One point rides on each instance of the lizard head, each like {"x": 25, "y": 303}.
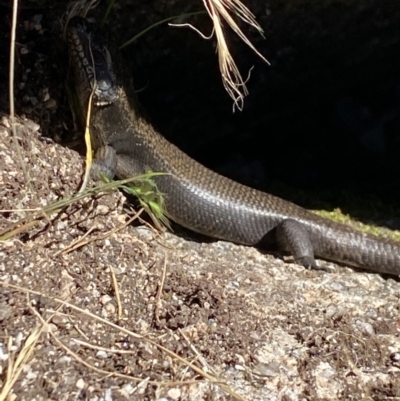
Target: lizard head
{"x": 91, "y": 62}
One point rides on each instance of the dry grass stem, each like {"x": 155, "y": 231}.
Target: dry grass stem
{"x": 11, "y": 96}
{"x": 159, "y": 292}
{"x": 219, "y": 10}
{"x": 88, "y": 142}
{"x": 206, "y": 365}
{"x": 116, "y": 291}
{"x": 17, "y": 364}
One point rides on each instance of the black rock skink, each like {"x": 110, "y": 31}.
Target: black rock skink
{"x": 196, "y": 197}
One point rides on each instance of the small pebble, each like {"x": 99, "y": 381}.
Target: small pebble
{"x": 80, "y": 384}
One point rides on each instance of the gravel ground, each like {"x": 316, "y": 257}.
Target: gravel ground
{"x": 112, "y": 311}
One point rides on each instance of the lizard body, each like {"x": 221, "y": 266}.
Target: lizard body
{"x": 196, "y": 197}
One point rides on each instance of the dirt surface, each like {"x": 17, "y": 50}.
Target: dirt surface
{"x": 267, "y": 328}
{"x": 192, "y": 312}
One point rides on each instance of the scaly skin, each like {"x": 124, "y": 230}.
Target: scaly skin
{"x": 198, "y": 198}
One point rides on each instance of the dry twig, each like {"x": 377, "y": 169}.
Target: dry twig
{"x": 219, "y": 11}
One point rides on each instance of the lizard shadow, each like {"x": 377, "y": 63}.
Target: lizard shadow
{"x": 268, "y": 246}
